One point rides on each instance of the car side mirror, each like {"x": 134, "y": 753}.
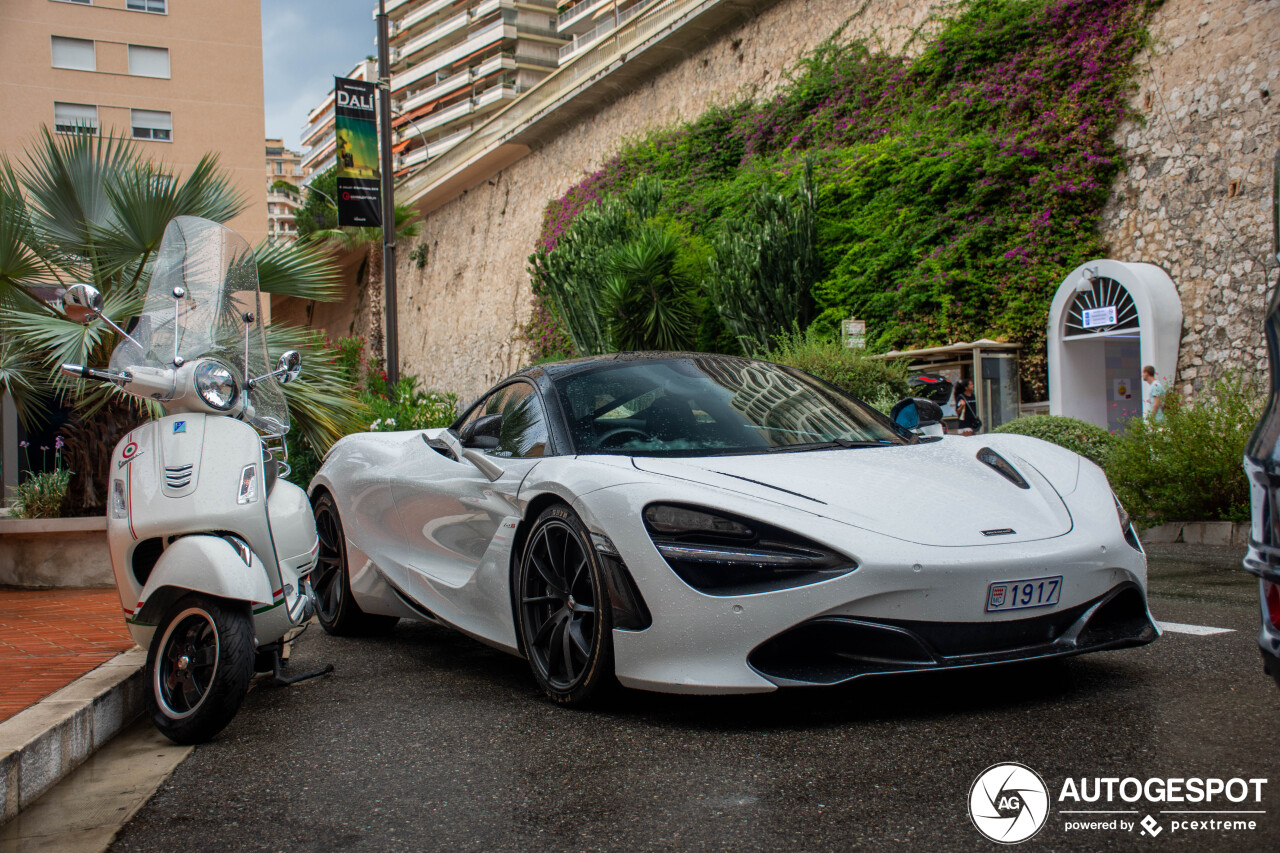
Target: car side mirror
{"x": 915, "y": 412}
{"x": 482, "y": 433}
{"x": 82, "y": 303}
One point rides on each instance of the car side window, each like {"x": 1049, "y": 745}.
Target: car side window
{"x": 524, "y": 426}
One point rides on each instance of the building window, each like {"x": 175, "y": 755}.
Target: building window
{"x": 147, "y": 6}
{"x": 148, "y": 61}
{"x": 279, "y": 168}
{"x": 81, "y": 2}
{"x": 151, "y": 124}
{"x": 77, "y": 54}
{"x": 75, "y": 118}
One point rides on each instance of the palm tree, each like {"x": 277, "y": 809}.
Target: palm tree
{"x": 646, "y": 296}
{"x": 348, "y": 238}
{"x": 81, "y": 207}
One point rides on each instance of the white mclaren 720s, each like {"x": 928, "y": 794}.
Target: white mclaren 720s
{"x": 696, "y": 523}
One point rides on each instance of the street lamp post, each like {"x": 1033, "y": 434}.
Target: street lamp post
{"x": 387, "y": 171}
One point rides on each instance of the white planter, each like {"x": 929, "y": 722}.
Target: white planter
{"x": 41, "y": 553}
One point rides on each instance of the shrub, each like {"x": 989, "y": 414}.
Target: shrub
{"x": 40, "y": 494}
{"x": 545, "y": 335}
{"x": 954, "y": 185}
{"x": 1188, "y": 468}
{"x": 1089, "y": 440}
{"x": 878, "y": 382}
{"x": 407, "y": 407}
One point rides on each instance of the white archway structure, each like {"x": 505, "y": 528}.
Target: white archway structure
{"x": 1107, "y": 320}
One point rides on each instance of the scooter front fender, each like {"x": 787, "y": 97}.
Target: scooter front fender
{"x": 201, "y": 564}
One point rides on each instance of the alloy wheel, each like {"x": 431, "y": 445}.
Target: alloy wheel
{"x": 326, "y": 578}
{"x": 187, "y": 663}
{"x": 559, "y": 598}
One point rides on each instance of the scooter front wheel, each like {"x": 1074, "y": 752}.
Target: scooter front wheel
{"x": 198, "y": 667}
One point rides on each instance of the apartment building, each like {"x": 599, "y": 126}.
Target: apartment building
{"x": 181, "y": 79}
{"x": 284, "y": 176}
{"x": 319, "y": 144}
{"x": 456, "y": 62}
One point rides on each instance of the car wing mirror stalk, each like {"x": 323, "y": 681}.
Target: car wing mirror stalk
{"x": 487, "y": 466}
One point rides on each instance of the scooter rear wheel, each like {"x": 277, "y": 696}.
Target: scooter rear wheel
{"x": 198, "y": 667}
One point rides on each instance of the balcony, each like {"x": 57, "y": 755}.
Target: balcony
{"x": 585, "y": 40}
{"x": 319, "y": 125}
{"x": 577, "y": 17}
{"x": 491, "y": 34}
{"x": 430, "y": 37}
{"x": 482, "y": 103}
{"x": 435, "y": 149}
{"x": 417, "y": 16}
{"x": 490, "y": 66}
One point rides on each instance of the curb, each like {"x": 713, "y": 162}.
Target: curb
{"x": 1197, "y": 533}
{"x": 47, "y": 741}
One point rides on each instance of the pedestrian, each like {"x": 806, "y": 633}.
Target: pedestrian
{"x": 1155, "y": 394}
{"x": 967, "y": 408}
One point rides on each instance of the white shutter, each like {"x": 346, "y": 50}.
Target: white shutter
{"x": 148, "y": 61}
{"x": 77, "y": 54}
{"x": 151, "y": 124}
{"x": 75, "y": 118}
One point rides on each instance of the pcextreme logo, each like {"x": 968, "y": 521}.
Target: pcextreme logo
{"x": 1010, "y": 803}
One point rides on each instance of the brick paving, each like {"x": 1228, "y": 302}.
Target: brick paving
{"x": 51, "y": 637}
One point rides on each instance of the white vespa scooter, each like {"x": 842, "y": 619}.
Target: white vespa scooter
{"x": 210, "y": 547}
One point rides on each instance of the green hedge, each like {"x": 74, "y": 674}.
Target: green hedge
{"x": 953, "y": 186}
{"x": 1089, "y": 440}
{"x": 880, "y": 383}
{"x": 1189, "y": 467}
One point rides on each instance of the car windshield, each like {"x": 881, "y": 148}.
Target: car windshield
{"x": 710, "y": 406}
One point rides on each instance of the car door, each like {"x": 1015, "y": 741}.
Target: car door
{"x": 459, "y": 523}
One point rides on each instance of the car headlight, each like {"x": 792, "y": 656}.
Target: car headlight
{"x": 216, "y": 385}
{"x": 720, "y": 554}
{"x": 1126, "y": 524}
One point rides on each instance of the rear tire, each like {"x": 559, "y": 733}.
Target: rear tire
{"x": 565, "y": 618}
{"x": 198, "y": 667}
{"x": 336, "y": 606}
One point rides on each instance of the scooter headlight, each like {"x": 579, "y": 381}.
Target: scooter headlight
{"x": 216, "y": 385}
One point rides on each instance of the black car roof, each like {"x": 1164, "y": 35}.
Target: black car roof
{"x": 555, "y": 369}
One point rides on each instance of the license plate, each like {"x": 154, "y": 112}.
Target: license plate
{"x": 1024, "y": 595}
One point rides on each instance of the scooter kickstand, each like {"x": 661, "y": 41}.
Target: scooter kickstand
{"x": 281, "y": 678}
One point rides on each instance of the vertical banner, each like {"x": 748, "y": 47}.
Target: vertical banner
{"x": 356, "y": 131}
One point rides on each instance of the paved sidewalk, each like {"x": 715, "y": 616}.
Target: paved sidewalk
{"x": 51, "y": 637}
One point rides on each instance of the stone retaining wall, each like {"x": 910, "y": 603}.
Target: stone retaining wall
{"x": 1194, "y": 198}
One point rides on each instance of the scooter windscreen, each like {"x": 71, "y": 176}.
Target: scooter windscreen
{"x": 203, "y": 302}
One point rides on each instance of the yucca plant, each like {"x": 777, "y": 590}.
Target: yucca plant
{"x": 82, "y": 207}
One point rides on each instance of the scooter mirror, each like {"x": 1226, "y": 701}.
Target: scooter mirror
{"x": 289, "y": 367}
{"x": 82, "y": 303}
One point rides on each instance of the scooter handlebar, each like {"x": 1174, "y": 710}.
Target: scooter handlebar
{"x": 81, "y": 372}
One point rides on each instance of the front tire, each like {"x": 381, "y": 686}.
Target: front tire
{"x": 336, "y": 606}
{"x": 198, "y": 667}
{"x": 565, "y": 620}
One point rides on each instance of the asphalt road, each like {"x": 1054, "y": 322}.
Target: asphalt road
{"x": 425, "y": 740}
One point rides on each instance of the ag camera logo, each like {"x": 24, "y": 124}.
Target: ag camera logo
{"x": 1008, "y": 803}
